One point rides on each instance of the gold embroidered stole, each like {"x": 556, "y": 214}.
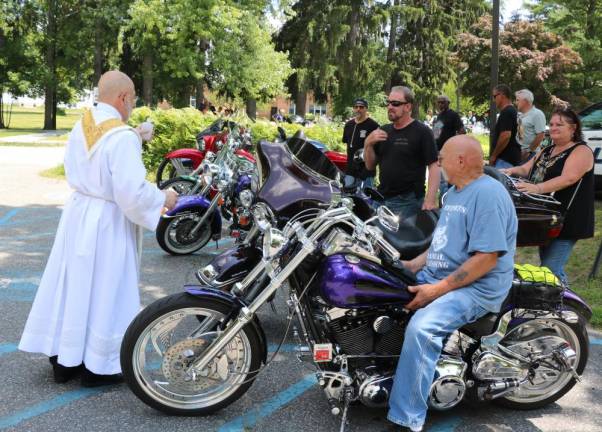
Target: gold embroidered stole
{"x": 93, "y": 132}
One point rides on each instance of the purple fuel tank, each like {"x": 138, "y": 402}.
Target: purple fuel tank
{"x": 351, "y": 282}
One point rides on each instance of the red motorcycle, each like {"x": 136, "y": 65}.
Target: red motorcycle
{"x": 183, "y": 162}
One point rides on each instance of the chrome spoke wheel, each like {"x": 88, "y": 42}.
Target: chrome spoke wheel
{"x": 178, "y": 234}
{"x": 165, "y": 350}
{"x": 548, "y": 379}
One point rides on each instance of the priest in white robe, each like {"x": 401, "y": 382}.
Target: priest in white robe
{"x": 88, "y": 294}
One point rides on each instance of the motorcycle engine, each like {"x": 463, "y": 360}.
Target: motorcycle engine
{"x": 364, "y": 332}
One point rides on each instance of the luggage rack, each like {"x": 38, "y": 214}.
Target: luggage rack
{"x": 541, "y": 198}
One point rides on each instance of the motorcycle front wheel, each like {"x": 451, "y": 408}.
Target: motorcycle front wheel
{"x": 182, "y": 186}
{"x": 548, "y": 385}
{"x": 165, "y": 338}
{"x": 174, "y": 237}
{"x": 167, "y": 170}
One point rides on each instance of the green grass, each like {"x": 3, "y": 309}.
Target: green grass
{"x": 58, "y": 172}
{"x": 31, "y": 120}
{"x": 484, "y": 141}
{"x": 578, "y": 268}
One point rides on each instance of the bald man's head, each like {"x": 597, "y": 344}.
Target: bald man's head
{"x": 117, "y": 89}
{"x": 461, "y": 159}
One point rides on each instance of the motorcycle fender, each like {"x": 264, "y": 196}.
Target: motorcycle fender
{"x": 228, "y": 299}
{"x": 579, "y": 305}
{"x": 196, "y": 156}
{"x": 196, "y": 203}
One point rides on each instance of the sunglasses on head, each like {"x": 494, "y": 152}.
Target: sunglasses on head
{"x": 395, "y": 103}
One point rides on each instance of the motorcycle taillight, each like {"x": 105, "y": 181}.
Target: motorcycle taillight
{"x": 554, "y": 232}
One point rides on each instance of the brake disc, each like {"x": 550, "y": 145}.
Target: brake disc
{"x": 177, "y": 360}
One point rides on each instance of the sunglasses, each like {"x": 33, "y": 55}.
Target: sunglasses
{"x": 395, "y": 103}
{"x": 496, "y": 95}
{"x": 358, "y": 106}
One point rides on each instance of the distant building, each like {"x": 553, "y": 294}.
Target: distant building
{"x": 84, "y": 100}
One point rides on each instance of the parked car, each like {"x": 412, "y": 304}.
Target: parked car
{"x": 591, "y": 119}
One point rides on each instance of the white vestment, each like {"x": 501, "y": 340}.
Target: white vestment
{"x": 88, "y": 294}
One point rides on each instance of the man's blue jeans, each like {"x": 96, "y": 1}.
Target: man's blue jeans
{"x": 501, "y": 164}
{"x": 555, "y": 255}
{"x": 422, "y": 346}
{"x": 351, "y": 181}
{"x": 405, "y": 205}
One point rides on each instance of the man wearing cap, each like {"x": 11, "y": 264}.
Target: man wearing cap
{"x": 354, "y": 134}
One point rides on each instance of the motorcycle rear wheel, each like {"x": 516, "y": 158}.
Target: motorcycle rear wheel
{"x": 172, "y": 234}
{"x": 538, "y": 394}
{"x": 157, "y": 349}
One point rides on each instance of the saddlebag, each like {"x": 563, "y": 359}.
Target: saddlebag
{"x": 536, "y": 288}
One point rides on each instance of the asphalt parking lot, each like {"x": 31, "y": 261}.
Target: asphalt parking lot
{"x": 285, "y": 396}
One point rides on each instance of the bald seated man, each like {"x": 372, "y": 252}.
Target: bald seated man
{"x": 466, "y": 272}
{"x": 88, "y": 293}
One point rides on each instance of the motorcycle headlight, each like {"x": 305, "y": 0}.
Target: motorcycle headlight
{"x": 246, "y": 198}
{"x": 210, "y": 156}
{"x": 273, "y": 242}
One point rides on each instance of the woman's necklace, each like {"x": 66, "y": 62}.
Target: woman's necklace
{"x": 559, "y": 149}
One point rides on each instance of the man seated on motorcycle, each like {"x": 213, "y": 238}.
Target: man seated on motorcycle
{"x": 466, "y": 272}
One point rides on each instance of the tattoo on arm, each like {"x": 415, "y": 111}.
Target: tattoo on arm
{"x": 459, "y": 276}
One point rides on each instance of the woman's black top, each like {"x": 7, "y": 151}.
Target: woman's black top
{"x": 579, "y": 218}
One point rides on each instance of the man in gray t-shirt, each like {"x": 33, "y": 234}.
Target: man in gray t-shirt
{"x": 531, "y": 124}
{"x": 466, "y": 272}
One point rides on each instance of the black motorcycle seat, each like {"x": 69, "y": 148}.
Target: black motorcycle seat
{"x": 414, "y": 234}
{"x": 482, "y": 327}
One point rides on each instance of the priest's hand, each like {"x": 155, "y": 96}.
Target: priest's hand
{"x": 146, "y": 129}
{"x": 171, "y": 198}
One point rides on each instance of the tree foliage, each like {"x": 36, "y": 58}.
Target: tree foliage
{"x": 579, "y": 23}
{"x": 530, "y": 57}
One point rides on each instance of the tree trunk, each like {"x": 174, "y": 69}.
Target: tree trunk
{"x": 252, "y": 108}
{"x": 50, "y": 84}
{"x": 301, "y": 103}
{"x": 199, "y": 97}
{"x": 147, "y": 77}
{"x": 2, "y": 126}
{"x": 98, "y": 52}
{"x": 391, "y": 47}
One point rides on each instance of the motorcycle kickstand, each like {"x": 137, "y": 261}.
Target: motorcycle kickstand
{"x": 347, "y": 401}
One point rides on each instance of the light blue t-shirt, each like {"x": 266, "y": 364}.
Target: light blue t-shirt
{"x": 479, "y": 218}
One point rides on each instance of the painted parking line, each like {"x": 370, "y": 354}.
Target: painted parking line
{"x": 593, "y": 341}
{"x": 7, "y": 348}
{"x": 47, "y": 406}
{"x": 272, "y": 405}
{"x": 9, "y": 215}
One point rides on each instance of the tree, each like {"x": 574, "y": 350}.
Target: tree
{"x": 530, "y": 57}
{"x": 579, "y": 23}
{"x": 16, "y": 51}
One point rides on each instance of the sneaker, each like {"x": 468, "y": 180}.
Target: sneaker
{"x": 90, "y": 379}
{"x": 62, "y": 374}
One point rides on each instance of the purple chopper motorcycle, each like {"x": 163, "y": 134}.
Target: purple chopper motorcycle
{"x": 196, "y": 352}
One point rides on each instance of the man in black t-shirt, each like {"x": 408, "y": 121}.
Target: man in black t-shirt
{"x": 403, "y": 150}
{"x": 446, "y": 125}
{"x": 505, "y": 150}
{"x": 354, "y": 134}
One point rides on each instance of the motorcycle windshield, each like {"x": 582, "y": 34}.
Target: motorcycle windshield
{"x": 293, "y": 174}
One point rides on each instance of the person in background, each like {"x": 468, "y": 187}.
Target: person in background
{"x": 566, "y": 169}
{"x": 446, "y": 125}
{"x": 505, "y": 151}
{"x": 403, "y": 150}
{"x": 531, "y": 124}
{"x": 354, "y": 134}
